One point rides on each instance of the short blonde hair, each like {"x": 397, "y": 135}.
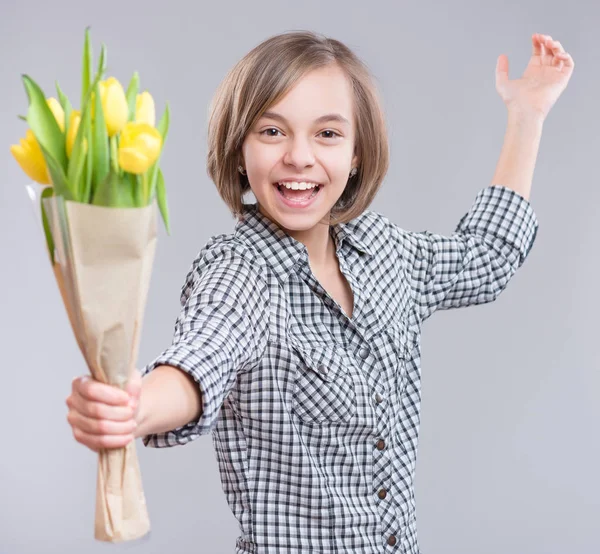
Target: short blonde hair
{"x": 265, "y": 75}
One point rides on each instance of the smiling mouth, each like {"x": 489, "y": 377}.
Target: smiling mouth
{"x": 298, "y": 195}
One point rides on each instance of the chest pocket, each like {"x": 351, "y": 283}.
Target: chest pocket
{"x": 399, "y": 343}
{"x": 323, "y": 387}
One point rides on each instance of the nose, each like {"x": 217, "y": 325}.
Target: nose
{"x": 299, "y": 153}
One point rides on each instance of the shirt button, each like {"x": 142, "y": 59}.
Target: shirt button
{"x": 322, "y": 369}
{"x": 382, "y": 494}
{"x": 378, "y": 398}
{"x": 380, "y": 444}
{"x": 392, "y": 540}
{"x": 363, "y": 353}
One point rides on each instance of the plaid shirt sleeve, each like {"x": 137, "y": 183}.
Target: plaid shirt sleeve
{"x": 475, "y": 264}
{"x": 222, "y": 329}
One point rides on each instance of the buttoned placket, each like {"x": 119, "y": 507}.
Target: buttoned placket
{"x": 363, "y": 354}
{"x": 381, "y": 447}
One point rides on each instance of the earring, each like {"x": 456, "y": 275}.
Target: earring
{"x": 353, "y": 172}
{"x": 241, "y": 170}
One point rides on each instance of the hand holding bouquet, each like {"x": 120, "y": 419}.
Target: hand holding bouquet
{"x": 98, "y": 178}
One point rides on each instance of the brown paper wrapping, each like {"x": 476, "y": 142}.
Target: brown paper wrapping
{"x": 103, "y": 263}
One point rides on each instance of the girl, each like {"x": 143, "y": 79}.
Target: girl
{"x": 298, "y": 341}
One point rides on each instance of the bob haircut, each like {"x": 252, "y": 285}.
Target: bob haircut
{"x": 259, "y": 80}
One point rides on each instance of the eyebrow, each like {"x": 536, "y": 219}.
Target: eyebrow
{"x": 324, "y": 118}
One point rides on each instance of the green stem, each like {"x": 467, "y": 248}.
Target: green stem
{"x": 145, "y": 191}
{"x": 114, "y": 154}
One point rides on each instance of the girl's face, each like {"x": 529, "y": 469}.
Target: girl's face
{"x": 307, "y": 137}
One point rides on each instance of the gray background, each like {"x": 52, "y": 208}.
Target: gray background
{"x": 508, "y": 456}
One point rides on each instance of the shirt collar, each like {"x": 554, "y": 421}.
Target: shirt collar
{"x": 281, "y": 250}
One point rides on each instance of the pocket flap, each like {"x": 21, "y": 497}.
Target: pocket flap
{"x": 325, "y": 361}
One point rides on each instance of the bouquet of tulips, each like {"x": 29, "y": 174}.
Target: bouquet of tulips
{"x": 97, "y": 183}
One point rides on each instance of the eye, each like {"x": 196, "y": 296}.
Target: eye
{"x": 269, "y": 129}
{"x": 265, "y": 132}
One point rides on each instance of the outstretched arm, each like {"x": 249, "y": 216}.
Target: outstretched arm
{"x": 221, "y": 331}
{"x": 169, "y": 399}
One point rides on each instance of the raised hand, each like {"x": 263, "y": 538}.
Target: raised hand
{"x": 543, "y": 81}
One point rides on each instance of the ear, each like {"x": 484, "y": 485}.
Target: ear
{"x": 240, "y": 157}
{"x": 355, "y": 161}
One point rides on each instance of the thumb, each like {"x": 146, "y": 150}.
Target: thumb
{"x": 134, "y": 385}
{"x": 501, "y": 70}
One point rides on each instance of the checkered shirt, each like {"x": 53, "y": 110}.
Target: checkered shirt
{"x": 314, "y": 415}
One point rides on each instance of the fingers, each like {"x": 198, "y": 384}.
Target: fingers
{"x": 100, "y": 415}
{"x": 99, "y": 410}
{"x": 96, "y": 391}
{"x": 566, "y": 59}
{"x": 94, "y": 426}
{"x": 561, "y": 58}
{"x": 98, "y": 442}
{"x": 544, "y": 45}
{"x": 538, "y": 47}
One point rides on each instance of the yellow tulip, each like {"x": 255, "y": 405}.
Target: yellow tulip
{"x": 139, "y": 147}
{"x": 144, "y": 109}
{"x": 29, "y": 156}
{"x": 28, "y": 152}
{"x": 58, "y": 112}
{"x": 114, "y": 105}
{"x": 74, "y": 122}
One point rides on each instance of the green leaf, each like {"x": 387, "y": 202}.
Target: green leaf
{"x": 66, "y": 106}
{"x": 62, "y": 97}
{"x": 43, "y": 124}
{"x": 161, "y": 198}
{"x": 163, "y": 124}
{"x": 131, "y": 94}
{"x": 115, "y": 191}
{"x": 163, "y": 129}
{"x": 137, "y": 183}
{"x": 75, "y": 175}
{"x": 46, "y": 193}
{"x": 22, "y": 117}
{"x": 86, "y": 76}
{"x": 106, "y": 192}
{"x": 58, "y": 177}
{"x": 100, "y": 153}
{"x": 89, "y": 168}
{"x": 102, "y": 60}
{"x": 78, "y": 155}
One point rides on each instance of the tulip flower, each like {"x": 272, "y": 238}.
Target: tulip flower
{"x": 139, "y": 147}
{"x": 144, "y": 109}
{"x": 74, "y": 122}
{"x": 29, "y": 156}
{"x": 114, "y": 105}
{"x": 58, "y": 112}
{"x": 28, "y": 152}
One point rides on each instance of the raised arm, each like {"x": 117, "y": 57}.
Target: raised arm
{"x": 473, "y": 265}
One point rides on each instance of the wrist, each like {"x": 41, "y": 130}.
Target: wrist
{"x": 523, "y": 117}
{"x": 140, "y": 416}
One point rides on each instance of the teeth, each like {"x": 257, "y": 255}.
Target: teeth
{"x": 294, "y": 185}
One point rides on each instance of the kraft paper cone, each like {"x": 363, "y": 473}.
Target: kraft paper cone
{"x": 121, "y": 513}
{"x": 103, "y": 263}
